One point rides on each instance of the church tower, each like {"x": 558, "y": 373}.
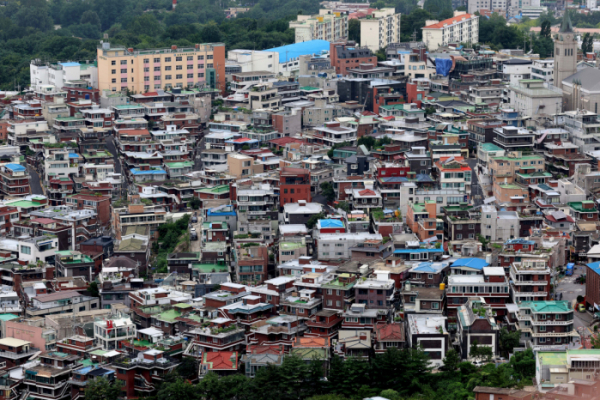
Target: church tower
{"x": 565, "y": 51}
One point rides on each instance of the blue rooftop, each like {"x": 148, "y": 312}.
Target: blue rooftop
{"x": 408, "y": 251}
{"x": 219, "y": 213}
{"x": 330, "y": 223}
{"x": 595, "y": 266}
{"x": 15, "y": 167}
{"x": 429, "y": 267}
{"x": 73, "y": 155}
{"x": 69, "y": 64}
{"x": 475, "y": 263}
{"x": 136, "y": 171}
{"x": 291, "y": 51}
{"x": 519, "y": 241}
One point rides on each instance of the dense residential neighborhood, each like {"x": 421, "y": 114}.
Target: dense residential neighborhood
{"x": 350, "y": 216}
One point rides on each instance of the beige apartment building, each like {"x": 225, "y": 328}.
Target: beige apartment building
{"x": 328, "y": 25}
{"x": 462, "y": 28}
{"x": 380, "y": 29}
{"x": 242, "y": 166}
{"x": 143, "y": 71}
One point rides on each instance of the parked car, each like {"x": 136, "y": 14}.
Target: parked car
{"x": 193, "y": 230}
{"x": 194, "y": 220}
{"x": 581, "y": 308}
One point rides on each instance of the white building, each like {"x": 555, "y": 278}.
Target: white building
{"x": 336, "y": 246}
{"x": 328, "y": 25}
{"x": 254, "y": 60}
{"x": 543, "y": 69}
{"x": 531, "y": 98}
{"x": 430, "y": 332}
{"x": 462, "y": 28}
{"x": 43, "y": 75}
{"x": 109, "y": 332}
{"x": 58, "y": 163}
{"x": 584, "y": 129}
{"x": 31, "y": 250}
{"x": 499, "y": 6}
{"x": 499, "y": 225}
{"x": 516, "y": 69}
{"x": 381, "y": 29}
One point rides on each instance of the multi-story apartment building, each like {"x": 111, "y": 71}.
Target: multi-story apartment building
{"x": 530, "y": 97}
{"x": 346, "y": 54}
{"x": 44, "y": 75}
{"x": 462, "y": 28}
{"x": 294, "y": 185}
{"x": 58, "y": 163}
{"x": 489, "y": 283}
{"x": 381, "y": 29}
{"x": 328, "y": 25}
{"x": 14, "y": 180}
{"x": 336, "y": 246}
{"x": 584, "y": 129}
{"x": 142, "y": 71}
{"x": 546, "y": 323}
{"x": 530, "y": 279}
{"x": 543, "y": 69}
{"x": 108, "y": 332}
{"x": 377, "y": 292}
{"x": 49, "y": 377}
{"x": 333, "y": 133}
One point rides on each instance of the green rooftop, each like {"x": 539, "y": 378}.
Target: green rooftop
{"x": 128, "y": 107}
{"x": 209, "y": 225}
{"x": 393, "y": 107}
{"x": 578, "y": 206}
{"x": 214, "y": 190}
{"x": 504, "y": 158}
{"x": 24, "y": 204}
{"x": 181, "y": 164}
{"x": 98, "y": 352}
{"x": 66, "y": 119}
{"x": 210, "y": 267}
{"x": 169, "y": 316}
{"x": 536, "y": 175}
{"x": 547, "y": 306}
{"x": 8, "y": 317}
{"x": 418, "y": 207}
{"x": 489, "y": 147}
{"x": 131, "y": 245}
{"x": 309, "y": 88}
{"x": 509, "y": 186}
{"x": 285, "y": 246}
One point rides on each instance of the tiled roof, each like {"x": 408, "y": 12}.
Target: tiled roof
{"x": 390, "y": 333}
{"x": 448, "y": 22}
{"x": 221, "y": 360}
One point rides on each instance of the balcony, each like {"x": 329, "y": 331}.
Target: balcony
{"x": 16, "y": 355}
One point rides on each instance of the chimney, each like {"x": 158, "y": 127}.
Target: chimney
{"x": 174, "y": 4}
{"x": 130, "y": 49}
{"x": 173, "y": 47}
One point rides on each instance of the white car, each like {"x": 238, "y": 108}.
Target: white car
{"x": 193, "y": 230}
{"x": 478, "y": 363}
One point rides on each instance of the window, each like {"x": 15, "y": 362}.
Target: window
{"x": 113, "y": 71}
{"x": 190, "y": 75}
{"x": 157, "y": 60}
{"x": 25, "y": 249}
{"x": 167, "y": 68}
{"x": 167, "y": 59}
{"x": 429, "y": 276}
{"x": 167, "y": 77}
{"x": 113, "y": 62}
{"x": 200, "y": 57}
{"x": 179, "y": 67}
{"x": 157, "y": 68}
{"x": 201, "y": 75}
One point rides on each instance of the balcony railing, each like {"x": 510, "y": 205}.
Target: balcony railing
{"x": 15, "y": 355}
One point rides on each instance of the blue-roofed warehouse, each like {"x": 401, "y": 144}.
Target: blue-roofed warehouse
{"x": 323, "y": 225}
{"x": 293, "y": 51}
{"x": 15, "y": 167}
{"x": 469, "y": 264}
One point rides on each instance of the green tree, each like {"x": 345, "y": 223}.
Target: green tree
{"x": 195, "y": 203}
{"x": 245, "y": 147}
{"x": 354, "y": 30}
{"x": 90, "y": 17}
{"x": 312, "y": 221}
{"x": 545, "y": 32}
{"x": 93, "y": 289}
{"x": 177, "y": 390}
{"x": 187, "y": 368}
{"x": 381, "y": 56}
{"x": 587, "y": 46}
{"x": 211, "y": 33}
{"x": 379, "y": 4}
{"x": 327, "y": 191}
{"x": 483, "y": 353}
{"x": 509, "y": 340}
{"x": 367, "y": 141}
{"x": 451, "y": 360}
{"x": 102, "y": 389}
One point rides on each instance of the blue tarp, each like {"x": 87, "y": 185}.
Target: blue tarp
{"x": 442, "y": 66}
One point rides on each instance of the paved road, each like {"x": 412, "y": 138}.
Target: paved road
{"x": 196, "y": 245}
{"x": 476, "y": 192}
{"x": 34, "y": 182}
{"x": 197, "y": 162}
{"x": 570, "y": 290}
{"x": 110, "y": 145}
